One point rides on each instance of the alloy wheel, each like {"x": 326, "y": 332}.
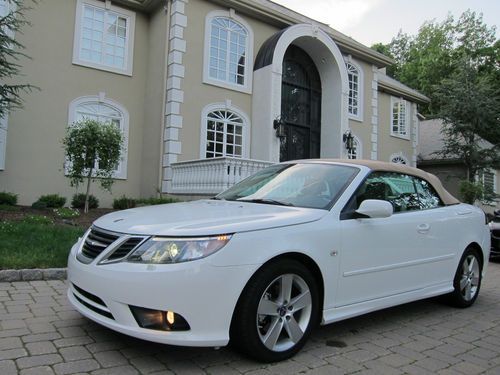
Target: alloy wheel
{"x": 284, "y": 312}
{"x": 469, "y": 280}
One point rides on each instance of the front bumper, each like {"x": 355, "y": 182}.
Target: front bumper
{"x": 205, "y": 295}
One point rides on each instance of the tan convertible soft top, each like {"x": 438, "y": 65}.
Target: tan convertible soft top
{"x": 445, "y": 196}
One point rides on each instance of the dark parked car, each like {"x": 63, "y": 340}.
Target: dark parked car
{"x": 495, "y": 236}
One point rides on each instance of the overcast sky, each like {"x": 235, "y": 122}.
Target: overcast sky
{"x": 372, "y": 21}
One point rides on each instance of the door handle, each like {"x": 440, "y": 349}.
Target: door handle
{"x": 423, "y": 228}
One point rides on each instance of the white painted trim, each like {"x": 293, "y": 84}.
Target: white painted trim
{"x": 228, "y": 107}
{"x": 129, "y": 45}
{"x": 121, "y": 172}
{"x": 361, "y": 89}
{"x": 414, "y": 134}
{"x": 177, "y": 46}
{"x": 374, "y": 118}
{"x": 406, "y": 136}
{"x": 399, "y": 155}
{"x": 247, "y": 87}
{"x": 3, "y": 141}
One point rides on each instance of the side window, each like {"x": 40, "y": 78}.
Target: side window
{"x": 404, "y": 192}
{"x": 427, "y": 195}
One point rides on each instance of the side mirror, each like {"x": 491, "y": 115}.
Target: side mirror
{"x": 374, "y": 208}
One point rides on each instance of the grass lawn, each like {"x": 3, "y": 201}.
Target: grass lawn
{"x": 36, "y": 242}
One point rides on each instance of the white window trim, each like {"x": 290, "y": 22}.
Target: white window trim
{"x": 129, "y": 44}
{"x": 121, "y": 173}
{"x": 4, "y": 121}
{"x": 247, "y": 87}
{"x": 407, "y": 118}
{"x": 225, "y": 106}
{"x": 361, "y": 86}
{"x": 399, "y": 155}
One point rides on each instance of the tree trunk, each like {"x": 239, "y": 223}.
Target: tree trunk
{"x": 89, "y": 179}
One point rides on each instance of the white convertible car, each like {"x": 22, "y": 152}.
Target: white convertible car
{"x": 297, "y": 244}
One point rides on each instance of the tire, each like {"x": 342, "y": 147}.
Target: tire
{"x": 276, "y": 312}
{"x": 467, "y": 281}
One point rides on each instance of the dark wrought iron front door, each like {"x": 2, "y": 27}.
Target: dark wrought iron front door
{"x": 300, "y": 106}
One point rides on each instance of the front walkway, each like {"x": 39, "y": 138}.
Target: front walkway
{"x": 41, "y": 334}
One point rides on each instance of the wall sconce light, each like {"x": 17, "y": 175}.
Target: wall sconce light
{"x": 279, "y": 126}
{"x": 348, "y": 139}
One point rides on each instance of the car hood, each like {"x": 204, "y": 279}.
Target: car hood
{"x": 205, "y": 217}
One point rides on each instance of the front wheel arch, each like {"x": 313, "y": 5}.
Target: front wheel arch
{"x": 307, "y": 261}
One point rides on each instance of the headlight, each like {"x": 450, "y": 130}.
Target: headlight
{"x": 163, "y": 250}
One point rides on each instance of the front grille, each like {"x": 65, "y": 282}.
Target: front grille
{"x": 125, "y": 248}
{"x": 96, "y": 242}
{"x": 94, "y": 299}
{"x": 496, "y": 233}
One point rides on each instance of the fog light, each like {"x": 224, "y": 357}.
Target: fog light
{"x": 159, "y": 320}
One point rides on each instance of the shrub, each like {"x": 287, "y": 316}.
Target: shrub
{"x": 78, "y": 201}
{"x": 154, "y": 201}
{"x": 123, "y": 203}
{"x": 470, "y": 191}
{"x": 9, "y": 199}
{"x": 37, "y": 219}
{"x": 53, "y": 200}
{"x": 39, "y": 205}
{"x": 9, "y": 208}
{"x": 66, "y": 213}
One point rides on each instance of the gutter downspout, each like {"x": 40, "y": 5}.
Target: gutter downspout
{"x": 167, "y": 8}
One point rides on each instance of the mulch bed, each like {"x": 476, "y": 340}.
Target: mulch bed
{"x": 84, "y": 220}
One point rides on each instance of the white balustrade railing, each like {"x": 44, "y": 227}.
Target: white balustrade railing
{"x": 211, "y": 176}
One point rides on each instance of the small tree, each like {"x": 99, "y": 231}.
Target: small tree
{"x": 10, "y": 53}
{"x": 93, "y": 152}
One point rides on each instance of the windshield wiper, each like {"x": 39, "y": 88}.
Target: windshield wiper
{"x": 267, "y": 201}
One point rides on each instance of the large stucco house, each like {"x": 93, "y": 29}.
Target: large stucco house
{"x": 201, "y": 90}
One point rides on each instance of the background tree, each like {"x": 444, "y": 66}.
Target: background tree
{"x": 93, "y": 150}
{"x": 10, "y": 53}
{"x": 469, "y": 107}
{"x": 424, "y": 60}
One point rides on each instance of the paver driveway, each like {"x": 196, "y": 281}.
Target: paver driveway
{"x": 41, "y": 334}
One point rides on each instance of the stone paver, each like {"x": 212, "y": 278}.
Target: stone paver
{"x": 40, "y": 333}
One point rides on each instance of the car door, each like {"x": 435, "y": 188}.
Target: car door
{"x": 383, "y": 257}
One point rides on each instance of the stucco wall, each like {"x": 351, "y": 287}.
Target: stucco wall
{"x": 154, "y": 104}
{"x": 34, "y": 160}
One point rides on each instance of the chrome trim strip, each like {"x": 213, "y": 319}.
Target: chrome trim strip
{"x": 398, "y": 265}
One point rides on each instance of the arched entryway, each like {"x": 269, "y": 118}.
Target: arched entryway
{"x": 268, "y": 87}
{"x": 300, "y": 106}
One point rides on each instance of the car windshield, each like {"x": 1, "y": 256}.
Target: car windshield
{"x": 299, "y": 185}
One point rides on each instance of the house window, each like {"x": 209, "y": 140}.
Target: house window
{"x": 355, "y": 105}
{"x": 399, "y": 126}
{"x": 399, "y": 158}
{"x": 488, "y": 179}
{"x": 224, "y": 134}
{"x": 228, "y": 51}
{"x": 104, "y": 37}
{"x": 107, "y": 111}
